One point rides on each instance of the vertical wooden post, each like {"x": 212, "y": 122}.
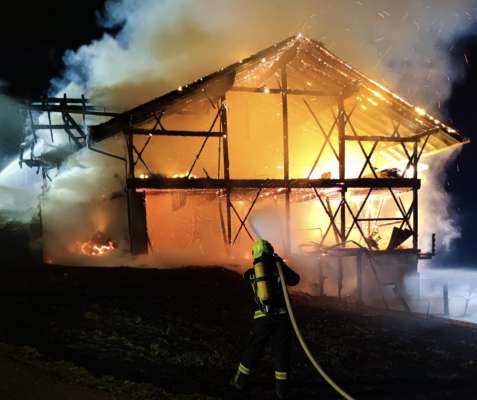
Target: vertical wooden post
{"x": 415, "y": 199}
{"x": 130, "y": 144}
{"x": 129, "y": 175}
{"x": 415, "y": 219}
{"x": 136, "y": 203}
{"x": 342, "y": 164}
{"x": 286, "y": 160}
{"x": 40, "y": 213}
{"x": 225, "y": 146}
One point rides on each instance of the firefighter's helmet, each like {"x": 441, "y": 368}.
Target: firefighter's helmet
{"x": 261, "y": 247}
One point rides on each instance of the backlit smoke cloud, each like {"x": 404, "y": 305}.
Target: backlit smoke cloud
{"x": 163, "y": 44}
{"x": 437, "y": 214}
{"x": 11, "y": 125}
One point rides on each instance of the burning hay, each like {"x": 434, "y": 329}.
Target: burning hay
{"x": 98, "y": 245}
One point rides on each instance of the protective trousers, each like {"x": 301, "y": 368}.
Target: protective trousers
{"x": 273, "y": 329}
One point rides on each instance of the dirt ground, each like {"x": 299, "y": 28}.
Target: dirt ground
{"x": 117, "y": 333}
{"x": 21, "y": 381}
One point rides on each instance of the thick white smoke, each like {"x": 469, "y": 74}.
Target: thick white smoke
{"x": 438, "y": 214}
{"x": 427, "y": 296}
{"x": 163, "y": 44}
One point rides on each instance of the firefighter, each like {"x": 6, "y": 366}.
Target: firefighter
{"x": 271, "y": 323}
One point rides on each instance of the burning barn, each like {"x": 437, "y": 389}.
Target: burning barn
{"x": 292, "y": 144}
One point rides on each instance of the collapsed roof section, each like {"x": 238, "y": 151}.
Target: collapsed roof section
{"x": 312, "y": 71}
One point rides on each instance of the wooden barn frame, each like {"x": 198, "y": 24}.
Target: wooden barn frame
{"x": 297, "y": 69}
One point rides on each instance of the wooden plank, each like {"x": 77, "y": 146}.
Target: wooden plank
{"x": 381, "y": 139}
{"x": 73, "y": 124}
{"x": 48, "y": 127}
{"x": 415, "y": 197}
{"x": 379, "y": 219}
{"x": 59, "y": 100}
{"x": 431, "y": 131}
{"x": 162, "y": 132}
{"x": 291, "y": 92}
{"x": 286, "y": 155}
{"x": 205, "y": 183}
{"x": 342, "y": 162}
{"x": 226, "y": 160}
{"x": 72, "y": 110}
{"x": 130, "y": 147}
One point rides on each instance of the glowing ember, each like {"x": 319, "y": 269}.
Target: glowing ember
{"x": 420, "y": 111}
{"x": 98, "y": 245}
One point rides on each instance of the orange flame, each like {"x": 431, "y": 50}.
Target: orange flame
{"x": 98, "y": 245}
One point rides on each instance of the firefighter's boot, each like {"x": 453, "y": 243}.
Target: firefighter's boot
{"x": 241, "y": 378}
{"x": 281, "y": 389}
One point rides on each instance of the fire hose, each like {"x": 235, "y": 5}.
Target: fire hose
{"x": 303, "y": 344}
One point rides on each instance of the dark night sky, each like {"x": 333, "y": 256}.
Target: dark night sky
{"x": 33, "y": 44}
{"x": 461, "y": 179}
{"x": 34, "y": 36}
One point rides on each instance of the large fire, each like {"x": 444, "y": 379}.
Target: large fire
{"x": 98, "y": 245}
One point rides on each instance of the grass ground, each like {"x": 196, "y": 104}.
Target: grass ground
{"x": 105, "y": 333}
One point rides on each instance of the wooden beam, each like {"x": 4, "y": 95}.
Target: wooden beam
{"x": 382, "y": 139}
{"x": 130, "y": 174}
{"x": 286, "y": 155}
{"x": 48, "y": 127}
{"x": 206, "y": 183}
{"x": 380, "y": 219}
{"x": 60, "y": 100}
{"x": 415, "y": 197}
{"x": 431, "y": 131}
{"x": 130, "y": 146}
{"x": 162, "y": 132}
{"x": 342, "y": 161}
{"x": 291, "y": 92}
{"x": 72, "y": 110}
{"x": 226, "y": 160}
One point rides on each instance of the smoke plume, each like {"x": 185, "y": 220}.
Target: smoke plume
{"x": 164, "y": 44}
{"x": 12, "y": 127}
{"x": 16, "y": 197}
{"x": 438, "y": 214}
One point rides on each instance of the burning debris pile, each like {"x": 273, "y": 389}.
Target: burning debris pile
{"x": 99, "y": 245}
